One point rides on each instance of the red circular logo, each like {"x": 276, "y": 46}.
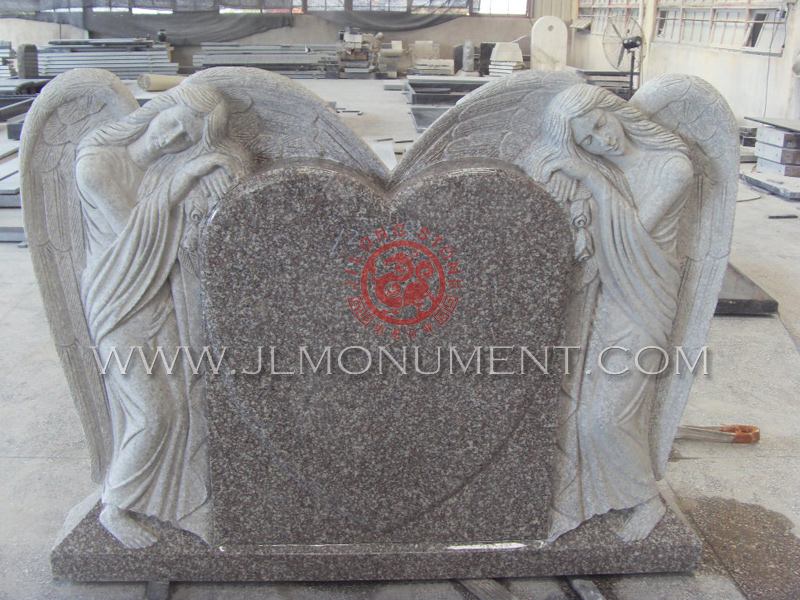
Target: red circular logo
{"x": 402, "y": 283}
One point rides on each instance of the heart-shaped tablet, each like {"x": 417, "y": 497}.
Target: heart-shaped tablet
{"x": 367, "y": 422}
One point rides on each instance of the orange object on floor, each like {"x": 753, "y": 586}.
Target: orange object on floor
{"x": 745, "y": 434}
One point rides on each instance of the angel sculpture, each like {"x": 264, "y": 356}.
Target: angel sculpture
{"x": 114, "y": 198}
{"x": 637, "y": 175}
{"x": 649, "y": 187}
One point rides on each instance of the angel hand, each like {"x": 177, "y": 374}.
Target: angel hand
{"x": 191, "y": 173}
{"x": 574, "y": 168}
{"x": 216, "y": 183}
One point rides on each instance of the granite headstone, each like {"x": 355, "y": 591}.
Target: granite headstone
{"x": 383, "y": 389}
{"x": 314, "y": 259}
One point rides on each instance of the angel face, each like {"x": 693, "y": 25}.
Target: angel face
{"x": 599, "y": 132}
{"x": 174, "y": 130}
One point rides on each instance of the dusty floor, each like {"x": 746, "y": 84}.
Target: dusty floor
{"x": 743, "y": 500}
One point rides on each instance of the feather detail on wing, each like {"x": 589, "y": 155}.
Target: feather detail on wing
{"x": 498, "y": 120}
{"x": 275, "y": 117}
{"x": 70, "y": 106}
{"x": 694, "y": 110}
{"x": 502, "y": 120}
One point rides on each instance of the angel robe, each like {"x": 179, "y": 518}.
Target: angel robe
{"x": 604, "y": 458}
{"x": 130, "y": 287}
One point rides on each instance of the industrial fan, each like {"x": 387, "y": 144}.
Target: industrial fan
{"x": 624, "y": 45}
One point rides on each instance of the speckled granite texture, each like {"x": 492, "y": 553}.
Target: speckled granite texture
{"x": 381, "y": 476}
{"x": 393, "y": 458}
{"x": 89, "y": 553}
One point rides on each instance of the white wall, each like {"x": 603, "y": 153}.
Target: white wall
{"x": 740, "y": 76}
{"x": 22, "y": 31}
{"x": 743, "y": 79}
{"x": 586, "y": 51}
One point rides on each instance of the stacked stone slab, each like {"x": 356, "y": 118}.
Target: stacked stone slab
{"x": 506, "y": 59}
{"x": 7, "y": 56}
{"x": 27, "y": 61}
{"x": 778, "y": 151}
{"x": 126, "y": 58}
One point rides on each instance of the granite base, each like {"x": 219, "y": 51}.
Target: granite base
{"x": 88, "y": 553}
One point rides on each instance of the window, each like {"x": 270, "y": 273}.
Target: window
{"x": 754, "y": 27}
{"x": 422, "y": 6}
{"x": 455, "y": 7}
{"x": 766, "y": 31}
{"x": 396, "y": 5}
{"x": 107, "y": 6}
{"x": 452, "y": 6}
{"x": 599, "y": 19}
{"x": 151, "y": 11}
{"x": 502, "y": 7}
{"x": 325, "y": 4}
{"x": 595, "y": 14}
{"x": 735, "y": 27}
{"x": 63, "y": 6}
{"x": 696, "y": 26}
{"x": 194, "y": 5}
{"x": 668, "y": 24}
{"x": 584, "y": 20}
{"x": 729, "y": 28}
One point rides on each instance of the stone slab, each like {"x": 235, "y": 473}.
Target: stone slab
{"x": 9, "y": 200}
{"x": 417, "y": 81}
{"x": 89, "y": 553}
{"x": 792, "y": 125}
{"x": 12, "y": 234}
{"x": 777, "y": 154}
{"x": 393, "y": 457}
{"x": 740, "y": 295}
{"x": 785, "y": 187}
{"x": 778, "y": 137}
{"x": 436, "y": 98}
{"x": 549, "y": 44}
{"x": 507, "y": 51}
{"x": 425, "y": 116}
{"x": 770, "y": 167}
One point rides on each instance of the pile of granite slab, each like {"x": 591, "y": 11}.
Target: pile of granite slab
{"x": 126, "y": 58}
{"x": 298, "y": 61}
{"x": 777, "y": 152}
{"x": 7, "y": 57}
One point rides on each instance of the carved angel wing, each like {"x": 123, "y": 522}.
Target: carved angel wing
{"x": 70, "y": 106}
{"x": 498, "y": 120}
{"x": 694, "y": 110}
{"x": 275, "y": 117}
{"x": 502, "y": 120}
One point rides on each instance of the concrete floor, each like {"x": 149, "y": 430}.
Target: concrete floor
{"x": 743, "y": 500}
